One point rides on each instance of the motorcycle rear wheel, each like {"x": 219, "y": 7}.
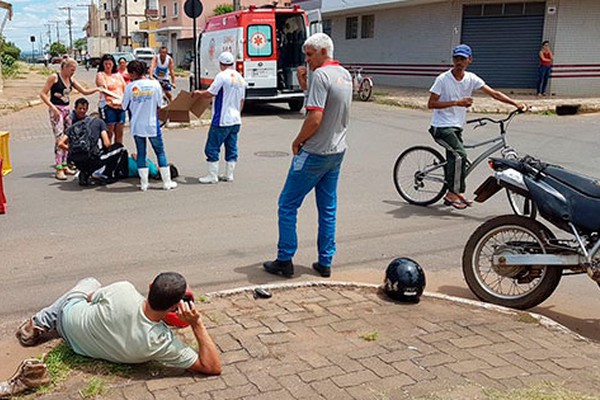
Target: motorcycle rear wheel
{"x": 518, "y": 287}
{"x": 521, "y": 205}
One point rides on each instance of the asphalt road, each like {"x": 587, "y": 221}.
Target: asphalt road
{"x": 218, "y": 235}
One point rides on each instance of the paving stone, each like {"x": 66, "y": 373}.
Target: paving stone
{"x": 232, "y": 357}
{"x": 345, "y": 362}
{"x": 274, "y": 325}
{"x": 319, "y": 374}
{"x": 227, "y": 343}
{"x": 353, "y": 325}
{"x": 472, "y": 365}
{"x": 470, "y": 342}
{"x": 448, "y": 348}
{"x": 315, "y": 360}
{"x": 354, "y": 378}
{"x": 516, "y": 359}
{"x": 415, "y": 372}
{"x": 137, "y": 391}
{"x": 275, "y": 395}
{"x": 510, "y": 371}
{"x": 298, "y": 388}
{"x": 168, "y": 382}
{"x": 238, "y": 392}
{"x": 432, "y": 360}
{"x": 203, "y": 385}
{"x": 330, "y": 390}
{"x": 166, "y": 394}
{"x": 575, "y": 362}
{"x": 486, "y": 356}
{"x": 289, "y": 368}
{"x": 263, "y": 381}
{"x": 367, "y": 352}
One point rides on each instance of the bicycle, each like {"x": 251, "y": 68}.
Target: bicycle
{"x": 419, "y": 170}
{"x": 361, "y": 85}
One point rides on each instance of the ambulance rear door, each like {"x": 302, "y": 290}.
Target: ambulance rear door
{"x": 260, "y": 64}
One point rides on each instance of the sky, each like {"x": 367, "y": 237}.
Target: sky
{"x": 30, "y": 17}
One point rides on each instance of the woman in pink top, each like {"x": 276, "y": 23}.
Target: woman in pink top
{"x": 545, "y": 68}
{"x": 109, "y": 106}
{"x": 123, "y": 70}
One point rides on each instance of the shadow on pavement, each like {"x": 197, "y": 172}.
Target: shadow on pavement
{"x": 405, "y": 211}
{"x": 266, "y": 109}
{"x": 587, "y": 327}
{"x": 255, "y": 274}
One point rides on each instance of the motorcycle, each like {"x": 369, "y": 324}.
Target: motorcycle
{"x": 517, "y": 261}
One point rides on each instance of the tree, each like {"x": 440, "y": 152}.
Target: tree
{"x": 223, "y": 9}
{"x": 80, "y": 44}
{"x": 9, "y": 48}
{"x": 57, "y": 49}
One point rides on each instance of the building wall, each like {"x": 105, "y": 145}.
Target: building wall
{"x": 576, "y": 48}
{"x": 412, "y": 43}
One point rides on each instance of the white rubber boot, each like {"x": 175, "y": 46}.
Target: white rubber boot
{"x": 213, "y": 170}
{"x": 143, "y": 172}
{"x": 165, "y": 174}
{"x": 228, "y": 177}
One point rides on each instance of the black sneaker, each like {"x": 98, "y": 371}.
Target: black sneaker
{"x": 277, "y": 267}
{"x": 324, "y": 271}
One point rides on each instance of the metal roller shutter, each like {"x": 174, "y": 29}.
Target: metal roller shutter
{"x": 505, "y": 48}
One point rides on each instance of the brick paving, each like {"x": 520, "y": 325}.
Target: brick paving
{"x": 309, "y": 341}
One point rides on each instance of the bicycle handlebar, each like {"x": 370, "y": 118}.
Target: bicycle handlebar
{"x": 482, "y": 121}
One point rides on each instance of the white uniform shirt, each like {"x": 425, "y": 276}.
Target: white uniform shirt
{"x": 449, "y": 89}
{"x": 229, "y": 89}
{"x": 143, "y": 97}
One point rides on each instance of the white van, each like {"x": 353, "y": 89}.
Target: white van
{"x": 267, "y": 45}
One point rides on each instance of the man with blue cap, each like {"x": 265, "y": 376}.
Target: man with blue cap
{"x": 450, "y": 96}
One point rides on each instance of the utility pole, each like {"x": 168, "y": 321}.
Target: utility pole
{"x": 70, "y": 24}
{"x": 49, "y": 32}
{"x": 236, "y": 5}
{"x": 57, "y": 30}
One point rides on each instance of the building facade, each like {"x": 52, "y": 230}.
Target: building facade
{"x": 408, "y": 42}
{"x": 119, "y": 18}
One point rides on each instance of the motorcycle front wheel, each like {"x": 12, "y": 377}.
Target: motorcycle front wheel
{"x": 521, "y": 286}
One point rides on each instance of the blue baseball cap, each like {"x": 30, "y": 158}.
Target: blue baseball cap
{"x": 462, "y": 50}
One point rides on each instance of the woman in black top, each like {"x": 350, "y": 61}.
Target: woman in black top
{"x": 56, "y": 95}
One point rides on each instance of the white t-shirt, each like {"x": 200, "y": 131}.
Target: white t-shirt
{"x": 143, "y": 97}
{"x": 449, "y": 89}
{"x": 113, "y": 327}
{"x": 229, "y": 89}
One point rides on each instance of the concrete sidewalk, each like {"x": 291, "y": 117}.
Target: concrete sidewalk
{"x": 343, "y": 341}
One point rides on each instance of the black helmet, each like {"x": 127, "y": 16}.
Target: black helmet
{"x": 404, "y": 280}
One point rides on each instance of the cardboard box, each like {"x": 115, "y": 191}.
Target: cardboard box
{"x": 179, "y": 109}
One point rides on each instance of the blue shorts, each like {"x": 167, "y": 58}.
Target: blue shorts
{"x": 111, "y": 115}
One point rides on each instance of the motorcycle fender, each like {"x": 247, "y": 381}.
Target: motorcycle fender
{"x": 487, "y": 189}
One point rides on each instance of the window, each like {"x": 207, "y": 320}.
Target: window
{"x": 351, "y": 27}
{"x": 326, "y": 23}
{"x": 260, "y": 41}
{"x": 104, "y": 5}
{"x": 175, "y": 9}
{"x": 502, "y": 9}
{"x": 105, "y": 27}
{"x": 164, "y": 12}
{"x": 367, "y": 26}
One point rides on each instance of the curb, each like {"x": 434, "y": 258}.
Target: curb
{"x": 542, "y": 320}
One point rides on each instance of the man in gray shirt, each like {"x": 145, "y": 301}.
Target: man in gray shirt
{"x": 318, "y": 153}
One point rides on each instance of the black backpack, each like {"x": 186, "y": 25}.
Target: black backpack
{"x": 82, "y": 148}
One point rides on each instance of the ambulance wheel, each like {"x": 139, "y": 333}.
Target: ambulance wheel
{"x": 296, "y": 105}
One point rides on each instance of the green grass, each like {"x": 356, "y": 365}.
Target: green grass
{"x": 370, "y": 337}
{"x": 62, "y": 360}
{"x": 526, "y": 318}
{"x": 96, "y": 387}
{"x": 546, "y": 391}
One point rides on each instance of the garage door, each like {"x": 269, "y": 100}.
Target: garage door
{"x": 506, "y": 39}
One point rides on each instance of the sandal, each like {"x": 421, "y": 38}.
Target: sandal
{"x": 468, "y": 202}
{"x": 458, "y": 204}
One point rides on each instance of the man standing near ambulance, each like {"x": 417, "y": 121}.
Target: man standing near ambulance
{"x": 228, "y": 91}
{"x": 318, "y": 149}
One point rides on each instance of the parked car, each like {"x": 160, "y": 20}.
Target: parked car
{"x": 126, "y": 55}
{"x": 145, "y": 54}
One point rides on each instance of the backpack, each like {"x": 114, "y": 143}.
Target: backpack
{"x": 82, "y": 148}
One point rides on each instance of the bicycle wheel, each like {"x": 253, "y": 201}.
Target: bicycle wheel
{"x": 521, "y": 205}
{"x": 365, "y": 90}
{"x": 419, "y": 175}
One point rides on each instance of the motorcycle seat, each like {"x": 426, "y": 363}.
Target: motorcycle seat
{"x": 585, "y": 184}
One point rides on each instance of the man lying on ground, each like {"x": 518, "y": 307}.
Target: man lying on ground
{"x": 116, "y": 323}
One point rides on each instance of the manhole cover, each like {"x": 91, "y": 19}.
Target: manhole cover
{"x": 271, "y": 154}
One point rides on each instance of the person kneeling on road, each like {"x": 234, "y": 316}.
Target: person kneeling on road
{"x": 90, "y": 150}
{"x": 117, "y": 324}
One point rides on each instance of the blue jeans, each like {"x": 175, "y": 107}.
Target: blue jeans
{"x": 309, "y": 171}
{"x": 50, "y": 317}
{"x": 157, "y": 145}
{"x": 544, "y": 72}
{"x": 219, "y": 135}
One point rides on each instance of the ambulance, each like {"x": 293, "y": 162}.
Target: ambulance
{"x": 267, "y": 45}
